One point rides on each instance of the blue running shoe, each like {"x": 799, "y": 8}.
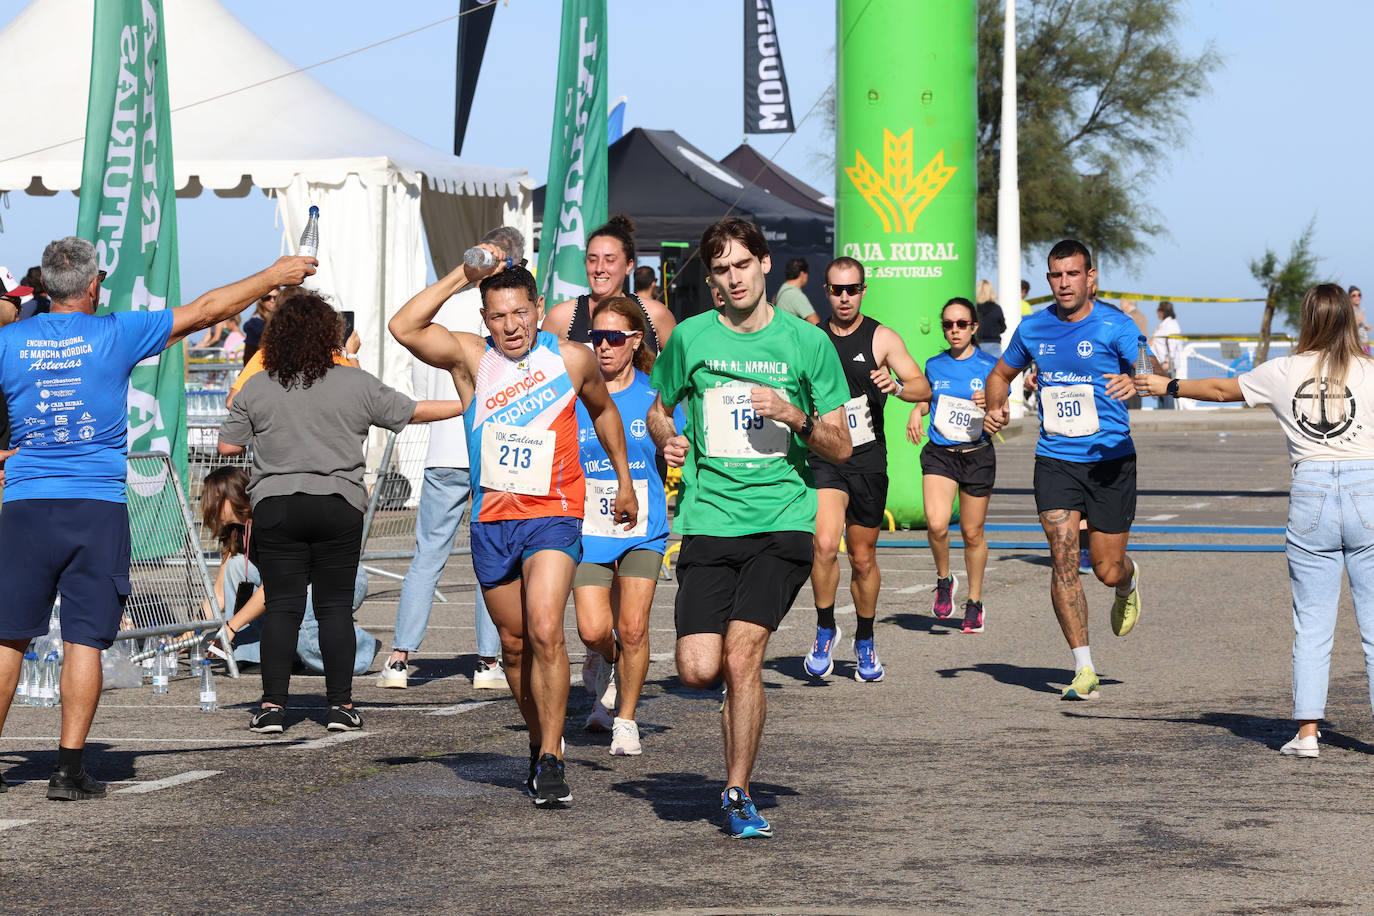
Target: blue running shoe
{"x": 820, "y": 661}
{"x": 745, "y": 820}
{"x": 869, "y": 668}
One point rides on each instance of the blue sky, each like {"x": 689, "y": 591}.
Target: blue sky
{"x": 1285, "y": 134}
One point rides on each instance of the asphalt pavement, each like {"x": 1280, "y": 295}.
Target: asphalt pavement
{"x": 959, "y": 783}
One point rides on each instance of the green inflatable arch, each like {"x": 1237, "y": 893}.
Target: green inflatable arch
{"x": 906, "y": 181}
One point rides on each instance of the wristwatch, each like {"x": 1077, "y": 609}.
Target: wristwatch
{"x": 1171, "y": 389}
{"x": 808, "y": 426}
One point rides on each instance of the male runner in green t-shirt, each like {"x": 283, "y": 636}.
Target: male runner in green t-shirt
{"x": 758, "y": 387}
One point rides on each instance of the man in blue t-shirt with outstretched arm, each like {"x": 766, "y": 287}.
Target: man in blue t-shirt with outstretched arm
{"x": 1085, "y": 460}
{"x": 65, "y": 524}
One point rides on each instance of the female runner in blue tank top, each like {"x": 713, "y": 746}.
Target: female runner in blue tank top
{"x": 615, "y": 581}
{"x": 959, "y": 457}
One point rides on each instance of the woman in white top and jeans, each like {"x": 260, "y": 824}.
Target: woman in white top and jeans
{"x": 1168, "y": 348}
{"x": 1323, "y": 395}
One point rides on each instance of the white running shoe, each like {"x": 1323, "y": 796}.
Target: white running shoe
{"x": 591, "y": 671}
{"x": 599, "y": 719}
{"x": 604, "y": 688}
{"x": 625, "y": 738}
{"x": 1301, "y": 747}
{"x": 394, "y": 675}
{"x": 489, "y": 677}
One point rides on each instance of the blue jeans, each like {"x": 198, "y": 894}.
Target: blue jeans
{"x": 442, "y": 498}
{"x": 248, "y": 642}
{"x": 1330, "y": 526}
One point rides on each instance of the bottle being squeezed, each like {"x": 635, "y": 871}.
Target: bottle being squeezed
{"x": 310, "y": 238}
{"x": 478, "y": 257}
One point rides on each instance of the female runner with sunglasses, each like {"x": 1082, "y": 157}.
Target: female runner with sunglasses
{"x": 615, "y": 581}
{"x": 959, "y": 457}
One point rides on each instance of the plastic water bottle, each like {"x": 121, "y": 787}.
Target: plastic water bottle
{"x": 479, "y": 258}
{"x": 310, "y": 238}
{"x": 1143, "y": 366}
{"x": 148, "y": 660}
{"x": 209, "y": 700}
{"x": 160, "y": 675}
{"x": 47, "y": 685}
{"x": 27, "y": 692}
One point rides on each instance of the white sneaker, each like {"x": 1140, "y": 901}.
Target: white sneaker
{"x": 489, "y": 677}
{"x": 591, "y": 671}
{"x": 604, "y": 688}
{"x": 599, "y": 719}
{"x": 1301, "y": 747}
{"x": 394, "y": 675}
{"x": 625, "y": 738}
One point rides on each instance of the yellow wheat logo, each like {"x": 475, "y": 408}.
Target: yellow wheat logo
{"x": 899, "y": 195}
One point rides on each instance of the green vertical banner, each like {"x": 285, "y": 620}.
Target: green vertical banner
{"x": 906, "y": 189}
{"x": 576, "y": 201}
{"x": 128, "y": 209}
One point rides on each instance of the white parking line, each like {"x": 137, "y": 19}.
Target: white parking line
{"x": 7, "y": 824}
{"x": 460, "y": 708}
{"x": 168, "y": 782}
{"x": 338, "y": 738}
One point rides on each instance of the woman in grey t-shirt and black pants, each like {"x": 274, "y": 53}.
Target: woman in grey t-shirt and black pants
{"x": 306, "y": 419}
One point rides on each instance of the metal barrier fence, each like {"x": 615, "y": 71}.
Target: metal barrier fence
{"x": 1224, "y": 357}
{"x": 389, "y": 525}
{"x": 172, "y": 590}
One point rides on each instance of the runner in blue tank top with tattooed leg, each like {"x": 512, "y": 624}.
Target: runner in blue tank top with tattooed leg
{"x": 615, "y": 581}
{"x": 959, "y": 458}
{"x": 1085, "y": 460}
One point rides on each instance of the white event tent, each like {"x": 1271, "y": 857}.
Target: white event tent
{"x": 290, "y": 137}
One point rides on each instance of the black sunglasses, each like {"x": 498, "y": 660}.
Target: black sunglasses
{"x": 839, "y": 289}
{"x": 101, "y": 275}
{"x": 614, "y": 338}
{"x": 959, "y": 323}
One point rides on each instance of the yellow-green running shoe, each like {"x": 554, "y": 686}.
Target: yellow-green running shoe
{"x": 1083, "y": 686}
{"x": 1126, "y": 611}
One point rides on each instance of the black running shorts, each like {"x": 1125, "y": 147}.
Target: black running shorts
{"x": 1102, "y": 491}
{"x": 867, "y": 492}
{"x": 973, "y": 470}
{"x": 753, "y": 577}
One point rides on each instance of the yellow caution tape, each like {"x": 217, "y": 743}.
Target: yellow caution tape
{"x": 1149, "y": 297}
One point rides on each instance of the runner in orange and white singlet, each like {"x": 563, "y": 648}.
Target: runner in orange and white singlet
{"x": 519, "y": 385}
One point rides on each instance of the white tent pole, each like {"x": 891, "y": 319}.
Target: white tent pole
{"x": 383, "y": 256}
{"x": 1009, "y": 202}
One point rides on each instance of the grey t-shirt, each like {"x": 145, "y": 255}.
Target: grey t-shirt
{"x": 793, "y": 301}
{"x": 310, "y": 440}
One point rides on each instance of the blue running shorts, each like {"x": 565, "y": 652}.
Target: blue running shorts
{"x": 499, "y": 549}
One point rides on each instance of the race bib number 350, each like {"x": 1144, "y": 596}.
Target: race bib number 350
{"x": 1068, "y": 410}
{"x": 598, "y": 513}
{"x": 958, "y": 419}
{"x": 733, "y": 430}
{"x": 517, "y": 460}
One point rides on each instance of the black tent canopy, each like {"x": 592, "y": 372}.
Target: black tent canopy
{"x": 765, "y": 173}
{"x": 673, "y": 191}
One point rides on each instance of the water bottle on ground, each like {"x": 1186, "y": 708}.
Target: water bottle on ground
{"x": 478, "y": 258}
{"x": 27, "y": 691}
{"x": 148, "y": 660}
{"x": 1143, "y": 366}
{"x": 209, "y": 699}
{"x": 160, "y": 675}
{"x": 310, "y": 238}
{"x": 47, "y": 685}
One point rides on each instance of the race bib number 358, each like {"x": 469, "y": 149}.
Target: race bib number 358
{"x": 733, "y": 430}
{"x": 598, "y": 513}
{"x": 517, "y": 460}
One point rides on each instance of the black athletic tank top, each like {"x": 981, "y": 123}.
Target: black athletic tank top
{"x": 581, "y": 324}
{"x": 856, "y": 356}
